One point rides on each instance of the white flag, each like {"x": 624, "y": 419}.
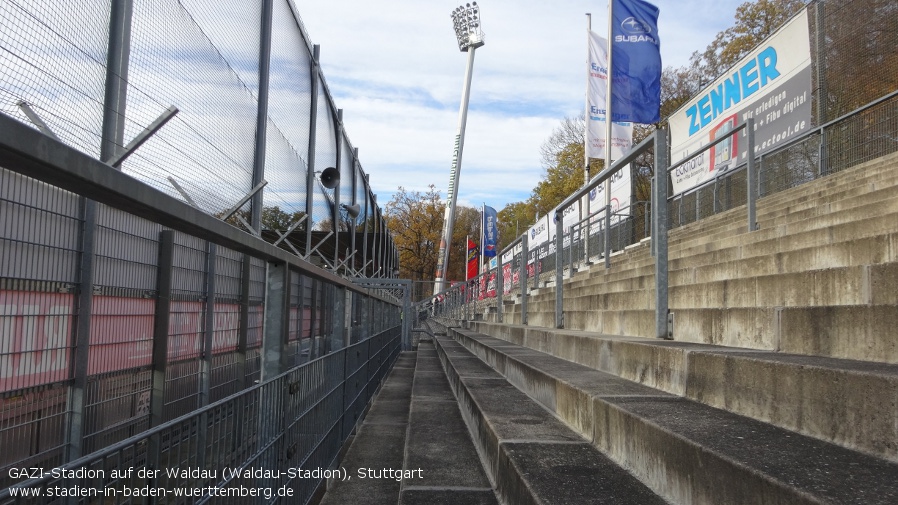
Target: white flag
{"x": 621, "y": 133}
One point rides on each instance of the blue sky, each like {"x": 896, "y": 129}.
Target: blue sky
{"x": 396, "y": 71}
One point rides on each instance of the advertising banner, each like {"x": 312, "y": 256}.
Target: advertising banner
{"x": 771, "y": 84}
{"x": 490, "y": 227}
{"x": 621, "y": 133}
{"x": 620, "y": 199}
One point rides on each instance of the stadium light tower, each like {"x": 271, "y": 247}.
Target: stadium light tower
{"x": 466, "y": 19}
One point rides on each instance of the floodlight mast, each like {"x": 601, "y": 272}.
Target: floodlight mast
{"x": 466, "y": 20}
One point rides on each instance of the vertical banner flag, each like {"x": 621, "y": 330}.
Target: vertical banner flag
{"x": 621, "y": 133}
{"x": 636, "y": 62}
{"x": 473, "y": 254}
{"x": 490, "y": 231}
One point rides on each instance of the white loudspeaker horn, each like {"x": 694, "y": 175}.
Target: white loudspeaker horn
{"x": 330, "y": 177}
{"x": 352, "y": 210}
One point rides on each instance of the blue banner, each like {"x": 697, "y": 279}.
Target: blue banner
{"x": 490, "y": 231}
{"x": 635, "y": 62}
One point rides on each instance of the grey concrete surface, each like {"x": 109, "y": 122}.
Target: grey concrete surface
{"x": 670, "y": 443}
{"x": 379, "y": 443}
{"x": 531, "y": 455}
{"x": 439, "y": 445}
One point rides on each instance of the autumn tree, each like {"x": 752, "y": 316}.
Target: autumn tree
{"x": 416, "y": 221}
{"x": 755, "y": 21}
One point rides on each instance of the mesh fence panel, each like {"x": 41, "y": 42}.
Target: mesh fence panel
{"x": 208, "y": 147}
{"x": 53, "y": 59}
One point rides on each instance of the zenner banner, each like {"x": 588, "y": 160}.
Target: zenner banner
{"x": 771, "y": 84}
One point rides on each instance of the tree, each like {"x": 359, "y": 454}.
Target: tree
{"x": 416, "y": 220}
{"x": 755, "y": 21}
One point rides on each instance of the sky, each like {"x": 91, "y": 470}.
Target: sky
{"x": 396, "y": 71}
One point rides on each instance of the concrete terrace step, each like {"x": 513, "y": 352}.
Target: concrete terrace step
{"x": 532, "y": 456}
{"x": 378, "y": 443}
{"x": 687, "y": 451}
{"x": 815, "y": 396}
{"x": 438, "y": 443}
{"x": 733, "y": 222}
{"x": 764, "y": 243}
{"x": 852, "y": 285}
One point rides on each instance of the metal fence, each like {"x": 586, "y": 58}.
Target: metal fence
{"x": 272, "y": 442}
{"x": 124, "y": 306}
{"x": 167, "y": 319}
{"x": 218, "y": 105}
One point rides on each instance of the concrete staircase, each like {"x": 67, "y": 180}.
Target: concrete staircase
{"x": 680, "y": 449}
{"x": 780, "y": 386}
{"x": 781, "y": 383}
{"x": 413, "y": 447}
{"x": 817, "y": 278}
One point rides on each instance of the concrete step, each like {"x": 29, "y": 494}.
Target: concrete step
{"x": 733, "y": 222}
{"x": 530, "y": 454}
{"x": 378, "y": 443}
{"x": 811, "y": 395}
{"x": 851, "y": 285}
{"x": 884, "y": 227}
{"x": 810, "y": 231}
{"x": 439, "y": 450}
{"x": 684, "y": 450}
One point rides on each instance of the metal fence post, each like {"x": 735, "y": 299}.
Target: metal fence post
{"x": 277, "y": 299}
{"x": 607, "y": 236}
{"x": 522, "y": 277}
{"x": 752, "y": 185}
{"x": 161, "y": 318}
{"x": 310, "y": 158}
{"x": 262, "y": 112}
{"x": 208, "y": 327}
{"x": 661, "y": 226}
{"x": 820, "y": 50}
{"x": 243, "y": 331}
{"x": 118, "y": 51}
{"x": 653, "y": 208}
{"x": 559, "y": 276}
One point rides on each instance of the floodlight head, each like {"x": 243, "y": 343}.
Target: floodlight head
{"x": 466, "y": 21}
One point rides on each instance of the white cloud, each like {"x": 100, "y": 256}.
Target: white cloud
{"x": 396, "y": 70}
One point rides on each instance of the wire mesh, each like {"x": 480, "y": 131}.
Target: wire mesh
{"x": 52, "y": 58}
{"x": 187, "y": 54}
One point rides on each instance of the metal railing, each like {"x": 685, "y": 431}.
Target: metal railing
{"x": 277, "y": 441}
{"x": 161, "y": 314}
{"x": 743, "y": 185}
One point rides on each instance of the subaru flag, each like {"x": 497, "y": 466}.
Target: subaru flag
{"x": 635, "y": 62}
{"x": 490, "y": 231}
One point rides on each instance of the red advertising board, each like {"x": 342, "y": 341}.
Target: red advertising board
{"x": 36, "y": 334}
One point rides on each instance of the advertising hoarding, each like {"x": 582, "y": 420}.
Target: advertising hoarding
{"x": 771, "y": 84}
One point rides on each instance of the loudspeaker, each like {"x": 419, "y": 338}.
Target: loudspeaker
{"x": 330, "y": 177}
{"x": 352, "y": 210}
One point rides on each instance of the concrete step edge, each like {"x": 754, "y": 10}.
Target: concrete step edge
{"x": 731, "y": 469}
{"x": 519, "y": 467}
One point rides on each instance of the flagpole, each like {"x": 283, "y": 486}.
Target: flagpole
{"x": 482, "y": 211}
{"x": 584, "y": 207}
{"x": 586, "y": 107}
{"x": 608, "y": 101}
{"x": 467, "y": 242}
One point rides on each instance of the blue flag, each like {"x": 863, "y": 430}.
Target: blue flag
{"x": 490, "y": 231}
{"x": 635, "y": 62}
